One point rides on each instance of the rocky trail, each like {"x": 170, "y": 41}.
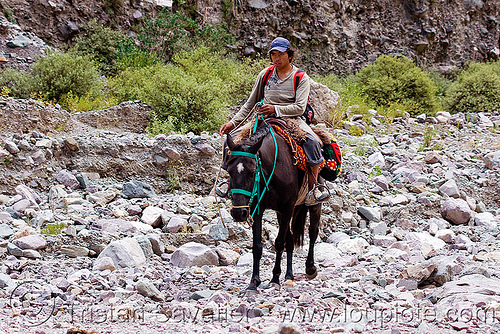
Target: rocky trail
{"x": 94, "y": 239}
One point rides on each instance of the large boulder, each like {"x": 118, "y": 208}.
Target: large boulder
{"x": 324, "y": 102}
{"x": 194, "y": 254}
{"x": 456, "y": 211}
{"x": 124, "y": 253}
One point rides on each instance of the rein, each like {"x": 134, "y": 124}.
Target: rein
{"x": 256, "y": 192}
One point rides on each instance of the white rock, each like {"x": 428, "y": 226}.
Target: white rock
{"x": 486, "y": 219}
{"x": 324, "y": 251}
{"x": 34, "y": 241}
{"x": 446, "y": 235}
{"x": 194, "y": 254}
{"x": 152, "y": 216}
{"x": 354, "y": 246}
{"x": 450, "y": 188}
{"x": 125, "y": 253}
{"x": 103, "y": 263}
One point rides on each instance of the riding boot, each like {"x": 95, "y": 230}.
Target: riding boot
{"x": 318, "y": 193}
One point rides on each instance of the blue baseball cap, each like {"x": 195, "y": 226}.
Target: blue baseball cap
{"x": 281, "y": 44}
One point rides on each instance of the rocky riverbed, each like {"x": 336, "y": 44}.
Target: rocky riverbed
{"x": 110, "y": 231}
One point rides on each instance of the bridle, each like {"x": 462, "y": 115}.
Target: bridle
{"x": 259, "y": 173}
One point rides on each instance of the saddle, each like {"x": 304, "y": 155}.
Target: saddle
{"x": 288, "y": 129}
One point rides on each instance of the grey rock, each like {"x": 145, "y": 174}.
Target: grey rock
{"x": 57, "y": 194}
{"x": 137, "y": 189}
{"x": 6, "y": 282}
{"x": 378, "y": 228}
{"x": 336, "y": 237}
{"x": 67, "y": 179}
{"x": 383, "y": 241}
{"x": 20, "y": 41}
{"x": 246, "y": 260}
{"x": 152, "y": 216}
{"x": 176, "y": 224}
{"x": 125, "y": 253}
{"x": 114, "y": 225}
{"x": 218, "y": 232}
{"x": 450, "y": 188}
{"x": 486, "y": 219}
{"x": 205, "y": 148}
{"x": 31, "y": 254}
{"x": 11, "y": 147}
{"x": 227, "y": 257}
{"x": 492, "y": 160}
{"x": 147, "y": 289}
{"x": 145, "y": 244}
{"x": 382, "y": 182}
{"x": 409, "y": 285}
{"x": 5, "y": 217}
{"x": 456, "y": 211}
{"x": 157, "y": 244}
{"x": 74, "y": 251}
{"x": 14, "y": 250}
{"x": 194, "y": 254}
{"x": 202, "y": 294}
{"x": 370, "y": 213}
{"x": 258, "y": 4}
{"x": 34, "y": 241}
{"x": 5, "y": 231}
{"x": 377, "y": 159}
{"x": 103, "y": 263}
{"x": 22, "y": 205}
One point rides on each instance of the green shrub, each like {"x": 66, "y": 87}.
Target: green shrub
{"x": 9, "y": 14}
{"x": 102, "y": 44}
{"x": 20, "y": 84}
{"x": 398, "y": 79}
{"x": 170, "y": 33}
{"x": 58, "y": 74}
{"x": 131, "y": 56}
{"x": 477, "y": 89}
{"x": 190, "y": 93}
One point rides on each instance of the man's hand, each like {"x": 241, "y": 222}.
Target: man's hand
{"x": 226, "y": 128}
{"x": 267, "y": 110}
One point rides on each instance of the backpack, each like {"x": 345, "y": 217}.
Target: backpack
{"x": 309, "y": 112}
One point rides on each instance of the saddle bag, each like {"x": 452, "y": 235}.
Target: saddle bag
{"x": 333, "y": 157}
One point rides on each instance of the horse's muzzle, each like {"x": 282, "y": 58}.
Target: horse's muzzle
{"x": 240, "y": 213}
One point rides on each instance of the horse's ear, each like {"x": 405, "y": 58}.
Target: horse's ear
{"x": 230, "y": 142}
{"x": 256, "y": 146}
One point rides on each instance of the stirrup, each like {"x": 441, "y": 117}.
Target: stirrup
{"x": 311, "y": 198}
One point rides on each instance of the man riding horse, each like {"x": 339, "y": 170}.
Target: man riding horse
{"x": 281, "y": 99}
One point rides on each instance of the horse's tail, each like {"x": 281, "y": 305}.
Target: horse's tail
{"x": 299, "y": 225}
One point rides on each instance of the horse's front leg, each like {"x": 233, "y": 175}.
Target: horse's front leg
{"x": 289, "y": 258}
{"x": 314, "y": 220}
{"x": 279, "y": 246}
{"x": 257, "y": 252}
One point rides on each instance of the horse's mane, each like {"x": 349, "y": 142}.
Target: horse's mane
{"x": 262, "y": 131}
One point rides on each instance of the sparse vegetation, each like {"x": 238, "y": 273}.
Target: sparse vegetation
{"x": 53, "y": 229}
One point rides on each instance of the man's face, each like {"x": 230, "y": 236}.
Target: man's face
{"x": 280, "y": 59}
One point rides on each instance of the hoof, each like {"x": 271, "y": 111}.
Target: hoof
{"x": 311, "y": 272}
{"x": 288, "y": 283}
{"x": 313, "y": 275}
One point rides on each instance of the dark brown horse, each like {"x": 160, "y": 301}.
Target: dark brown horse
{"x": 283, "y": 188}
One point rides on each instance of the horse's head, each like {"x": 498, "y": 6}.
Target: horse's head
{"x": 242, "y": 161}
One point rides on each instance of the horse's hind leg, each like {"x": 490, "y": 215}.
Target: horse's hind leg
{"x": 257, "y": 253}
{"x": 314, "y": 219}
